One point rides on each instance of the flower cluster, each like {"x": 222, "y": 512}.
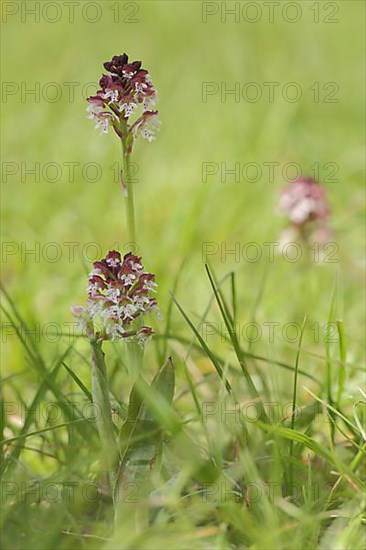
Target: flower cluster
{"x": 119, "y": 293}
{"x": 122, "y": 92}
{"x": 305, "y": 204}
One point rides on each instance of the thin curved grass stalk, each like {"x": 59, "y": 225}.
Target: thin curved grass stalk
{"x": 294, "y": 398}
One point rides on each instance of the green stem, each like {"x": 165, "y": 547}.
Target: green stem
{"x": 100, "y": 393}
{"x": 128, "y": 187}
{"x": 129, "y": 201}
{"x": 133, "y": 351}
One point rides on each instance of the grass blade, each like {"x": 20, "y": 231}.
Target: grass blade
{"x": 234, "y": 339}
{"x": 214, "y": 361}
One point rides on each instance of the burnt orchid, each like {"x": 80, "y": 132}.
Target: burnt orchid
{"x": 119, "y": 293}
{"x": 125, "y": 103}
{"x": 305, "y": 204}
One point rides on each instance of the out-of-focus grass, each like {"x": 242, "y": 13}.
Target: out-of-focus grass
{"x": 176, "y": 211}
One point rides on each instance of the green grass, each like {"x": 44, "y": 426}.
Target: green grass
{"x": 258, "y": 477}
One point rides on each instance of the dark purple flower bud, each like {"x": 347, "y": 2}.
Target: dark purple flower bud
{"x": 116, "y": 64}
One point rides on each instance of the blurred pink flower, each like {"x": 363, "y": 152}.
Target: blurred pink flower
{"x": 305, "y": 204}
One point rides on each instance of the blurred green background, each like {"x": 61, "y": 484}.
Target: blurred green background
{"x": 176, "y": 210}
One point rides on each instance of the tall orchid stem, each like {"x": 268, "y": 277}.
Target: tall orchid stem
{"x": 129, "y": 200}
{"x": 133, "y": 350}
{"x": 127, "y": 183}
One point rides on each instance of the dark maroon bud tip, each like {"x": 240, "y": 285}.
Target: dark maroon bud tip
{"x": 136, "y": 65}
{"x": 123, "y": 59}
